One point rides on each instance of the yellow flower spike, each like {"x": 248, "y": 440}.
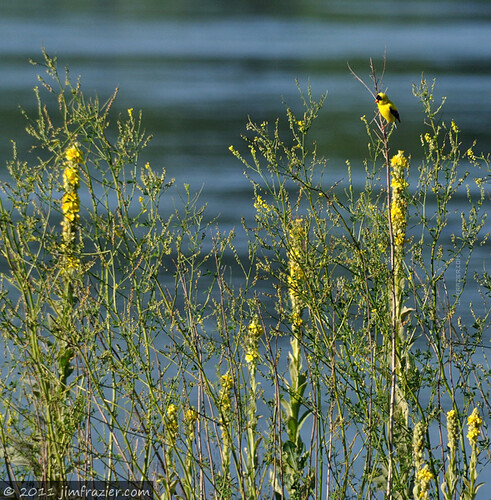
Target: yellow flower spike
{"x": 474, "y": 423}
{"x": 71, "y": 178}
{"x": 191, "y": 415}
{"x": 423, "y": 479}
{"x": 297, "y": 238}
{"x": 73, "y": 154}
{"x": 399, "y": 160}
{"x": 226, "y": 382}
{"x": 418, "y": 444}
{"x": 70, "y": 206}
{"x": 130, "y": 112}
{"x": 254, "y": 331}
{"x": 452, "y": 429}
{"x": 398, "y": 208}
{"x": 171, "y": 424}
{"x": 190, "y": 419}
{"x": 171, "y": 410}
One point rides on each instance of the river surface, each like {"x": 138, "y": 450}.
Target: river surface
{"x": 199, "y": 69}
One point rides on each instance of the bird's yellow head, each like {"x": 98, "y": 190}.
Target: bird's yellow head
{"x": 381, "y": 98}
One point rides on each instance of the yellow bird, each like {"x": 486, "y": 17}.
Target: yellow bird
{"x": 387, "y": 108}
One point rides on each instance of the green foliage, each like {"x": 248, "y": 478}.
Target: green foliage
{"x": 130, "y": 354}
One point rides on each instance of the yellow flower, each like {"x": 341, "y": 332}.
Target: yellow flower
{"x": 171, "y": 410}
{"x": 301, "y": 126}
{"x": 296, "y": 274}
{"x": 474, "y": 423}
{"x": 254, "y": 331}
{"x": 454, "y": 127}
{"x": 171, "y": 424}
{"x": 71, "y": 263}
{"x": 71, "y": 179}
{"x": 190, "y": 418}
{"x": 398, "y": 184}
{"x": 226, "y": 382}
{"x": 396, "y": 212}
{"x": 399, "y": 160}
{"x": 296, "y": 319}
{"x": 73, "y": 154}
{"x": 423, "y": 478}
{"x": 191, "y": 415}
{"x": 251, "y": 356}
{"x": 398, "y": 218}
{"x": 259, "y": 203}
{"x": 70, "y": 205}
{"x": 398, "y": 206}
{"x": 130, "y": 112}
{"x": 425, "y": 474}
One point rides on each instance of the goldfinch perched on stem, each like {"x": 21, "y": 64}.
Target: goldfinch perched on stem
{"x": 387, "y": 108}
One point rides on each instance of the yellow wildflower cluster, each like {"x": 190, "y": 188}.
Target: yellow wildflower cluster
{"x": 190, "y": 419}
{"x": 260, "y": 204}
{"x": 470, "y": 153}
{"x": 296, "y": 274}
{"x": 171, "y": 424}
{"x": 254, "y": 331}
{"x": 70, "y": 206}
{"x": 73, "y": 155}
{"x": 423, "y": 479}
{"x": 71, "y": 261}
{"x": 71, "y": 179}
{"x": 474, "y": 423}
{"x": 302, "y": 126}
{"x": 398, "y": 208}
{"x": 190, "y": 416}
{"x": 226, "y": 383}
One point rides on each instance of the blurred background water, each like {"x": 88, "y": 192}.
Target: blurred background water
{"x": 199, "y": 68}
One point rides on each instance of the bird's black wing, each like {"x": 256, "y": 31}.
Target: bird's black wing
{"x": 395, "y": 113}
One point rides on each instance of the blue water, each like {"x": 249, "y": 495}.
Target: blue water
{"x": 199, "y": 69}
